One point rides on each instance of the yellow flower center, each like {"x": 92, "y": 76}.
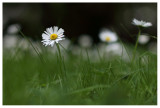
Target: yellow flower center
{"x": 108, "y": 38}
{"x": 53, "y": 36}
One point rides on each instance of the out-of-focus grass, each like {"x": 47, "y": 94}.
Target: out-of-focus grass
{"x": 28, "y": 81}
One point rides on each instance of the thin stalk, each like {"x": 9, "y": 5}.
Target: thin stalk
{"x": 61, "y": 60}
{"x": 41, "y": 57}
{"x": 59, "y": 52}
{"x": 87, "y": 56}
{"x": 88, "y": 89}
{"x": 110, "y": 68}
{"x": 125, "y": 49}
{"x": 64, "y": 68}
{"x": 98, "y": 53}
{"x": 121, "y": 58}
{"x": 60, "y": 81}
{"x": 136, "y": 45}
{"x": 126, "y": 30}
{"x": 63, "y": 48}
{"x": 59, "y": 57}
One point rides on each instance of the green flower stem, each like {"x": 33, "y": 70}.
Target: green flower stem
{"x": 62, "y": 64}
{"x": 59, "y": 51}
{"x": 98, "y": 53}
{"x": 35, "y": 49}
{"x": 136, "y": 45}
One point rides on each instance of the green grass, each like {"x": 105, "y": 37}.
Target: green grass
{"x": 76, "y": 80}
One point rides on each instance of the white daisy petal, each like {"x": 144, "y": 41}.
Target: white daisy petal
{"x": 61, "y": 36}
{"x": 51, "y": 30}
{"x": 60, "y": 31}
{"x": 55, "y": 29}
{"x": 44, "y": 36}
{"x": 147, "y": 24}
{"x": 52, "y": 35}
{"x": 51, "y": 43}
{"x": 48, "y": 30}
{"x": 57, "y": 40}
{"x": 46, "y": 43}
{"x": 141, "y": 23}
{"x": 47, "y": 33}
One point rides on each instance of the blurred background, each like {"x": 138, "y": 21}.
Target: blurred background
{"x": 35, "y": 74}
{"x": 79, "y": 18}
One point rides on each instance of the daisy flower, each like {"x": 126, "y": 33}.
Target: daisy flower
{"x": 116, "y": 49}
{"x": 143, "y": 39}
{"x": 141, "y": 23}
{"x": 108, "y": 36}
{"x": 52, "y": 35}
{"x": 10, "y": 41}
{"x": 12, "y": 29}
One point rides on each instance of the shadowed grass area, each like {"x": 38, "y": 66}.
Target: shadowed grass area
{"x": 28, "y": 81}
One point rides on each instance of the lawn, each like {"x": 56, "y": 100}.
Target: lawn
{"x": 85, "y": 78}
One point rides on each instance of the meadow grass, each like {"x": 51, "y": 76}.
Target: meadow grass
{"x": 77, "y": 80}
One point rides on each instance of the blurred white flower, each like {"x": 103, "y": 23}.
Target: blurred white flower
{"x": 141, "y": 23}
{"x": 143, "y": 39}
{"x": 52, "y": 35}
{"x": 10, "y": 41}
{"x": 85, "y": 41}
{"x": 12, "y": 29}
{"x": 108, "y": 36}
{"x": 116, "y": 49}
{"x": 101, "y": 47}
